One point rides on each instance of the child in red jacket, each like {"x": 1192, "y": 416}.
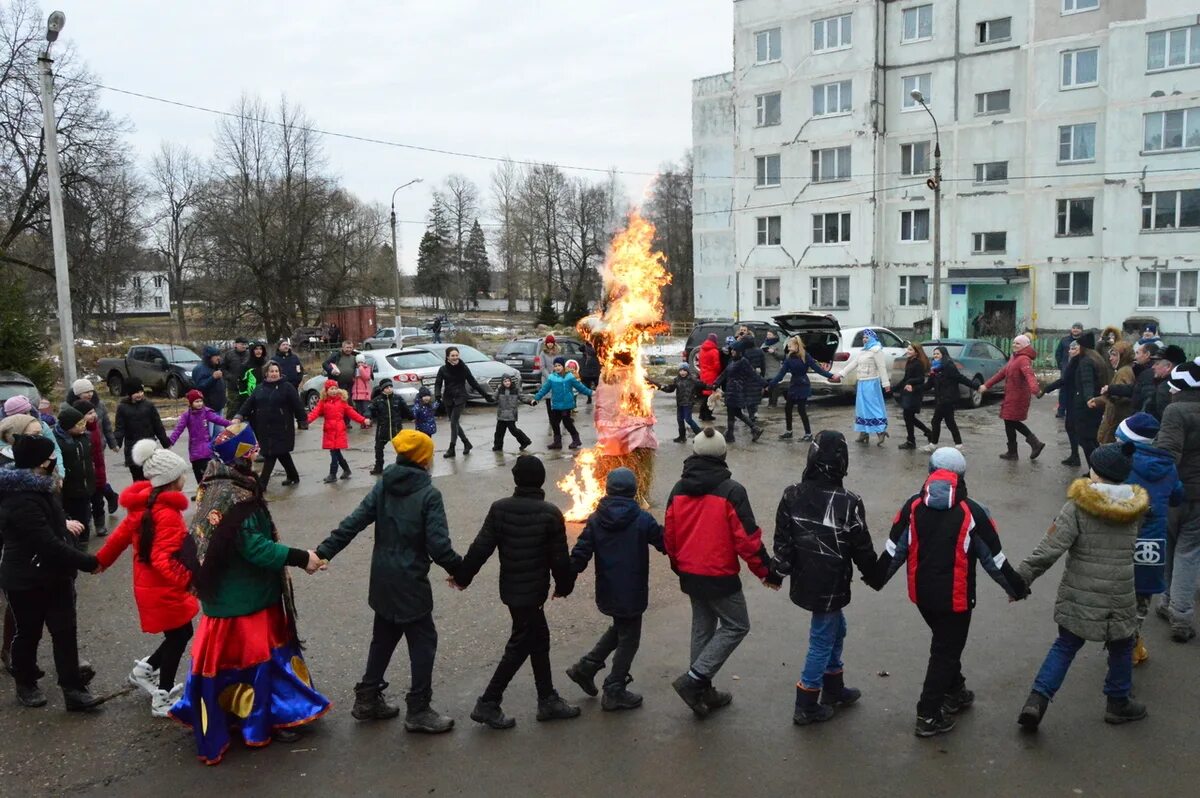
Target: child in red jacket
{"x": 161, "y": 582}
{"x": 334, "y": 409}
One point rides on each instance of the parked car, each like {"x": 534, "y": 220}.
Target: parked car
{"x": 724, "y": 329}
{"x": 408, "y": 369}
{"x": 162, "y": 368}
{"x": 522, "y": 354}
{"x": 13, "y": 384}
{"x": 310, "y": 337}
{"x": 385, "y": 338}
{"x": 487, "y": 372}
{"x": 977, "y": 361}
{"x": 836, "y": 347}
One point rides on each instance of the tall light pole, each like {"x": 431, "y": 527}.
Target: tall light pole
{"x": 935, "y": 183}
{"x": 58, "y": 232}
{"x": 396, "y": 256}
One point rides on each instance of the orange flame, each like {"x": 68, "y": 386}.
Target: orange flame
{"x": 631, "y": 314}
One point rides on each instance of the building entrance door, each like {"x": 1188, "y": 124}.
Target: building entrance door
{"x": 999, "y": 318}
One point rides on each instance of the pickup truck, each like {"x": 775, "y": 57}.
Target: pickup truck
{"x": 162, "y": 368}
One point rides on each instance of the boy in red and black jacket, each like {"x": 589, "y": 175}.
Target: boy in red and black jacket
{"x": 708, "y": 525}
{"x": 940, "y": 534}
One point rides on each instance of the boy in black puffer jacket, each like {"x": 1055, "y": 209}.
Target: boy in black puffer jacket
{"x": 388, "y": 411}
{"x": 532, "y": 538}
{"x": 820, "y": 534}
{"x": 620, "y": 533}
{"x": 138, "y": 419}
{"x": 686, "y": 388}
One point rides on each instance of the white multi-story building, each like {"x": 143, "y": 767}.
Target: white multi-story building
{"x": 145, "y": 293}
{"x": 1070, "y": 142}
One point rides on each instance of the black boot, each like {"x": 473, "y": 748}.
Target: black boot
{"x": 618, "y": 698}
{"x": 1010, "y": 453}
{"x": 692, "y": 693}
{"x": 835, "y": 693}
{"x": 490, "y": 714}
{"x": 557, "y": 444}
{"x": 957, "y": 700}
{"x": 369, "y": 703}
{"x": 30, "y": 695}
{"x": 714, "y": 698}
{"x": 427, "y": 720}
{"x": 1073, "y": 460}
{"x": 345, "y": 472}
{"x": 1124, "y": 710}
{"x": 80, "y": 700}
{"x": 1033, "y": 711}
{"x": 809, "y": 709}
{"x": 583, "y": 673}
{"x": 575, "y": 442}
{"x": 1035, "y": 445}
{"x": 940, "y": 723}
{"x": 552, "y": 707}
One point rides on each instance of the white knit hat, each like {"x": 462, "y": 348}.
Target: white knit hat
{"x": 710, "y": 443}
{"x": 82, "y": 386}
{"x": 161, "y": 467}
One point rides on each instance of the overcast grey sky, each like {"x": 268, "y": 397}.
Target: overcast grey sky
{"x": 587, "y": 82}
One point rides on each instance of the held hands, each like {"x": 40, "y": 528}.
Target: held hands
{"x": 1091, "y": 404}
{"x": 836, "y": 378}
{"x": 315, "y": 563}
{"x": 908, "y": 388}
{"x": 75, "y": 528}
{"x": 767, "y": 583}
{"x": 218, "y": 374}
{"x": 454, "y": 585}
{"x": 1103, "y": 390}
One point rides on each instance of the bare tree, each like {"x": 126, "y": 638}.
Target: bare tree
{"x": 458, "y": 202}
{"x": 506, "y": 186}
{"x": 670, "y": 208}
{"x": 177, "y": 183}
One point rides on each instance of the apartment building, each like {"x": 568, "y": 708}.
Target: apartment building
{"x": 1070, "y": 145}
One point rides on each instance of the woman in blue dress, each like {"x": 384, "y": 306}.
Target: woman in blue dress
{"x": 874, "y": 382}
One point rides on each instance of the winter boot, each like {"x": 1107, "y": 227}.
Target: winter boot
{"x": 957, "y": 700}
{"x": 575, "y": 442}
{"x": 427, "y": 721}
{"x": 1140, "y": 654}
{"x": 345, "y": 472}
{"x": 144, "y": 677}
{"x": 583, "y": 673}
{"x": 376, "y": 471}
{"x": 1181, "y": 630}
{"x": 490, "y": 714}
{"x": 809, "y": 708}
{"x": 369, "y": 703}
{"x": 1035, "y": 446}
{"x": 467, "y": 447}
{"x": 680, "y": 439}
{"x": 1073, "y": 460}
{"x": 1011, "y": 454}
{"x": 80, "y": 700}
{"x": 161, "y": 701}
{"x": 557, "y": 444}
{"x": 756, "y": 433}
{"x": 30, "y": 695}
{"x": 617, "y": 698}
{"x": 940, "y": 723}
{"x": 692, "y": 693}
{"x": 1123, "y": 710}
{"x": 835, "y": 693}
{"x": 908, "y": 444}
{"x": 87, "y": 673}
{"x": 552, "y": 707}
{"x": 714, "y": 698}
{"x": 1033, "y": 711}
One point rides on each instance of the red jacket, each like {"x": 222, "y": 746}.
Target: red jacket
{"x": 708, "y": 525}
{"x": 98, "y": 450}
{"x": 160, "y": 587}
{"x": 709, "y": 361}
{"x": 1019, "y": 385}
{"x": 334, "y": 409}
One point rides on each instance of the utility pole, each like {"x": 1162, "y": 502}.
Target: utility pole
{"x": 935, "y": 183}
{"x": 396, "y": 257}
{"x": 58, "y": 232}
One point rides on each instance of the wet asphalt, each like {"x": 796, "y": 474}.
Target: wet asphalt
{"x": 750, "y": 748}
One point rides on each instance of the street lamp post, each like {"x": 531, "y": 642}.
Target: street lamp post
{"x": 935, "y": 183}
{"x": 396, "y": 257}
{"x": 58, "y": 233}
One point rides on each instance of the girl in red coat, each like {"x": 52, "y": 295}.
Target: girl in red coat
{"x": 709, "y": 363}
{"x": 334, "y": 408}
{"x": 154, "y": 526}
{"x": 1020, "y": 385}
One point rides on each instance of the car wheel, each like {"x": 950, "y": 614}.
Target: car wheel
{"x": 310, "y": 400}
{"x": 976, "y": 398}
{"x": 174, "y": 388}
{"x": 116, "y": 384}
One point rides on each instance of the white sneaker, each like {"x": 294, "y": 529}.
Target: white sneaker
{"x": 161, "y": 701}
{"x": 959, "y": 446}
{"x": 144, "y": 677}
{"x": 929, "y": 447}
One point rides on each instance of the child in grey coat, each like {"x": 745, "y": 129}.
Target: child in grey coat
{"x": 508, "y": 402}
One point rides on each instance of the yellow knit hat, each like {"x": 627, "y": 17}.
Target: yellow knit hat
{"x": 416, "y": 447}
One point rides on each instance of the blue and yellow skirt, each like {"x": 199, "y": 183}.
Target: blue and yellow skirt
{"x": 248, "y": 676}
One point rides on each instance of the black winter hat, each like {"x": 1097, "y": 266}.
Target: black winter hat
{"x": 621, "y": 482}
{"x": 1174, "y": 354}
{"x": 828, "y": 457}
{"x": 30, "y": 451}
{"x": 1087, "y": 340}
{"x": 1111, "y": 462}
{"x": 83, "y": 406}
{"x": 528, "y": 472}
{"x": 133, "y": 385}
{"x": 69, "y": 417}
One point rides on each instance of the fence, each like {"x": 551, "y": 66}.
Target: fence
{"x": 1046, "y": 345}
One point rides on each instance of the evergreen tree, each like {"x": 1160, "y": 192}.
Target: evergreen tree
{"x": 475, "y": 263}
{"x": 21, "y": 346}
{"x": 432, "y": 274}
{"x": 548, "y": 315}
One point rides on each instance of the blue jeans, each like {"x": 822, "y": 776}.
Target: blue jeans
{"x": 1117, "y": 683}
{"x": 825, "y": 638}
{"x": 683, "y": 414}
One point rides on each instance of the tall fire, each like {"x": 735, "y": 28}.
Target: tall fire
{"x": 630, "y": 314}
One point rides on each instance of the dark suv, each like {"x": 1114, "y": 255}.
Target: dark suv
{"x": 522, "y": 354}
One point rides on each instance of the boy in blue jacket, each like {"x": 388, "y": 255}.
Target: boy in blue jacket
{"x": 562, "y": 387}
{"x": 424, "y": 412}
{"x": 620, "y": 533}
{"x": 1153, "y": 469}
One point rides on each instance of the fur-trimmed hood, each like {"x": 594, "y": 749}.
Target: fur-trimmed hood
{"x": 17, "y": 479}
{"x": 1119, "y": 504}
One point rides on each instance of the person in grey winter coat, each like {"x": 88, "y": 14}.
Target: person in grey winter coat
{"x": 686, "y": 388}
{"x": 233, "y": 368}
{"x": 1179, "y": 436}
{"x": 508, "y": 402}
{"x": 1096, "y": 530}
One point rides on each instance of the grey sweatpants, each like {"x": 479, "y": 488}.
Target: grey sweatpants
{"x": 1185, "y": 568}
{"x": 718, "y": 626}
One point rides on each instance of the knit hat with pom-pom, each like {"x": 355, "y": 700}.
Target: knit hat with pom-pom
{"x": 161, "y": 467}
{"x": 709, "y": 443}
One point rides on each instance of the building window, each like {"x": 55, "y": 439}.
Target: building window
{"x": 991, "y": 172}
{"x": 769, "y": 231}
{"x": 1172, "y": 130}
{"x": 993, "y": 30}
{"x": 1172, "y": 49}
{"x": 158, "y": 281}
{"x": 832, "y": 33}
{"x": 766, "y": 171}
{"x": 921, "y": 83}
{"x": 914, "y": 158}
{"x": 1071, "y": 288}
{"x": 1167, "y": 289}
{"x": 768, "y": 46}
{"x": 831, "y": 164}
{"x": 918, "y": 24}
{"x": 767, "y": 109}
{"x": 831, "y": 228}
{"x": 138, "y": 301}
{"x": 914, "y": 225}
{"x": 992, "y": 102}
{"x": 1074, "y": 217}
{"x": 766, "y": 292}
{"x": 914, "y": 290}
{"x": 158, "y": 302}
{"x": 831, "y": 293}
{"x": 1171, "y": 210}
{"x": 832, "y": 98}
{"x": 1077, "y": 142}
{"x": 989, "y": 243}
{"x": 1073, "y": 6}
{"x": 1080, "y": 68}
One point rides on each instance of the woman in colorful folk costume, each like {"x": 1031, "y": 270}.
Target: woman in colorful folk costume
{"x": 874, "y": 382}
{"x": 248, "y": 675}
